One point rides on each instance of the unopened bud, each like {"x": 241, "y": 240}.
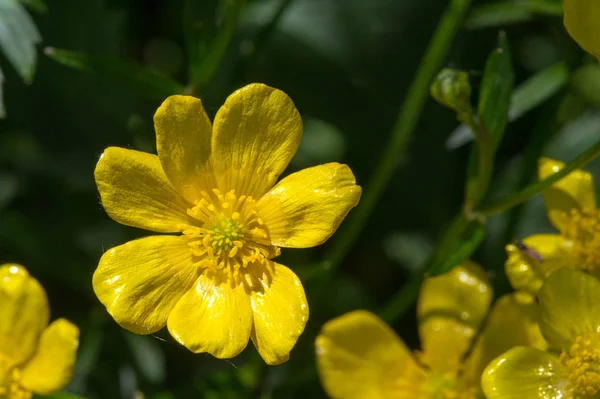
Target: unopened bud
{"x": 451, "y": 88}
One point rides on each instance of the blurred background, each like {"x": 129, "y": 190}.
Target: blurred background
{"x": 79, "y": 76}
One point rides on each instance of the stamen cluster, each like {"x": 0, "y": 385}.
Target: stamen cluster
{"x": 582, "y": 362}
{"x": 582, "y": 228}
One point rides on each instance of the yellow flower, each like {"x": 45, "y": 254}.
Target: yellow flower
{"x": 34, "y": 356}
{"x": 360, "y": 357}
{"x": 571, "y": 207}
{"x": 581, "y": 20}
{"x": 214, "y": 284}
{"x": 570, "y": 321}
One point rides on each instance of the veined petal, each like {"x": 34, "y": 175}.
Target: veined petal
{"x": 527, "y": 267}
{"x": 141, "y": 281}
{"x": 461, "y": 297}
{"x": 306, "y": 208}
{"x": 256, "y": 133}
{"x": 510, "y": 323}
{"x": 569, "y": 303}
{"x": 576, "y": 190}
{"x": 524, "y": 373}
{"x": 280, "y": 311}
{"x": 51, "y": 368}
{"x": 581, "y": 20}
{"x": 135, "y": 191}
{"x": 183, "y": 142}
{"x": 214, "y": 316}
{"x": 24, "y": 313}
{"x": 359, "y": 356}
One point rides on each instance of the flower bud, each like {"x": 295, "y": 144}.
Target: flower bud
{"x": 451, "y": 88}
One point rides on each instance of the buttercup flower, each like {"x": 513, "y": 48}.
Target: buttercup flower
{"x": 570, "y": 321}
{"x": 571, "y": 207}
{"x": 581, "y": 20}
{"x": 359, "y": 356}
{"x": 34, "y": 356}
{"x": 214, "y": 283}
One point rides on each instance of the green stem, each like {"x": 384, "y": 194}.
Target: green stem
{"x": 532, "y": 190}
{"x": 485, "y": 156}
{"x": 402, "y": 130}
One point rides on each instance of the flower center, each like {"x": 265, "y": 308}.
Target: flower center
{"x": 10, "y": 384}
{"x": 226, "y": 232}
{"x": 582, "y": 362}
{"x": 582, "y": 228}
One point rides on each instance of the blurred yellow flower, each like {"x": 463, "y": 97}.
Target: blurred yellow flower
{"x": 34, "y": 356}
{"x": 215, "y": 284}
{"x": 360, "y": 357}
{"x": 571, "y": 207}
{"x": 581, "y": 20}
{"x": 570, "y": 321}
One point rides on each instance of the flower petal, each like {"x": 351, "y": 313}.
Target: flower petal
{"x": 450, "y": 309}
{"x": 581, "y": 20}
{"x": 141, "y": 281}
{"x": 256, "y": 133}
{"x": 569, "y": 302}
{"x": 576, "y": 190}
{"x": 135, "y": 191}
{"x": 24, "y": 312}
{"x": 214, "y": 316}
{"x": 359, "y": 356}
{"x": 524, "y": 373}
{"x": 510, "y": 323}
{"x": 183, "y": 141}
{"x": 527, "y": 267}
{"x": 51, "y": 368}
{"x": 280, "y": 311}
{"x": 306, "y": 208}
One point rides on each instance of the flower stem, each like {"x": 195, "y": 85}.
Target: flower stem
{"x": 532, "y": 190}
{"x": 407, "y": 119}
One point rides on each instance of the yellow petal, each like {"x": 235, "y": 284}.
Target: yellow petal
{"x": 524, "y": 373}
{"x": 256, "y": 133}
{"x": 183, "y": 140}
{"x": 510, "y": 323}
{"x": 450, "y": 309}
{"x": 527, "y": 267}
{"x": 135, "y": 191}
{"x": 141, "y": 281}
{"x": 576, "y": 190}
{"x": 51, "y": 368}
{"x": 306, "y": 208}
{"x": 581, "y": 20}
{"x": 360, "y": 357}
{"x": 24, "y": 313}
{"x": 280, "y": 311}
{"x": 214, "y": 316}
{"x": 569, "y": 302}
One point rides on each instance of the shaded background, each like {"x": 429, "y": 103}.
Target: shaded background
{"x": 347, "y": 64}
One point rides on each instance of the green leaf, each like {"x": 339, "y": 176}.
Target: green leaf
{"x": 59, "y": 395}
{"x": 511, "y": 11}
{"x": 586, "y": 83}
{"x": 36, "y": 5}
{"x": 528, "y": 95}
{"x": 496, "y": 89}
{"x": 142, "y": 79}
{"x": 463, "y": 247}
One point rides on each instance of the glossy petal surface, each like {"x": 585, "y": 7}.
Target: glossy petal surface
{"x": 51, "y": 368}
{"x": 183, "y": 142}
{"x": 527, "y": 271}
{"x": 214, "y": 316}
{"x": 510, "y": 323}
{"x": 305, "y": 208}
{"x": 359, "y": 356}
{"x": 450, "y": 309}
{"x": 569, "y": 300}
{"x": 581, "y": 20}
{"x": 576, "y": 190}
{"x": 135, "y": 191}
{"x": 24, "y": 313}
{"x": 141, "y": 281}
{"x": 256, "y": 133}
{"x": 524, "y": 373}
{"x": 280, "y": 311}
